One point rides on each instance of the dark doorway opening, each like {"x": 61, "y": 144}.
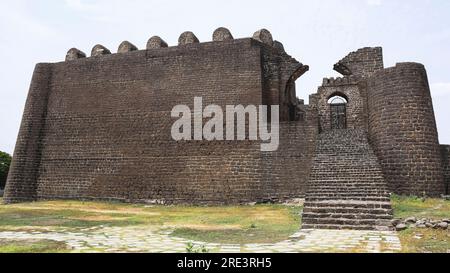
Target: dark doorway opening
{"x": 338, "y": 112}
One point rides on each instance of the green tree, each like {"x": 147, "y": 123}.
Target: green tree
{"x": 5, "y": 161}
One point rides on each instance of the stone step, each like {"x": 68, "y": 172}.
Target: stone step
{"x": 345, "y": 221}
{"x": 347, "y": 193}
{"x": 339, "y": 189}
{"x": 348, "y": 204}
{"x": 347, "y": 210}
{"x": 351, "y": 198}
{"x": 343, "y": 227}
{"x": 350, "y": 215}
{"x": 347, "y": 189}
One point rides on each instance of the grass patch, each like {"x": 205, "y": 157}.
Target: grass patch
{"x": 32, "y": 246}
{"x": 405, "y": 207}
{"x": 418, "y": 240}
{"x": 227, "y": 224}
{"x": 425, "y": 241}
{"x": 260, "y": 224}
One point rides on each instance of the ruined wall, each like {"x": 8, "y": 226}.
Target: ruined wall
{"x": 361, "y": 63}
{"x": 100, "y": 127}
{"x": 356, "y": 106}
{"x": 445, "y": 152}
{"x": 403, "y": 130}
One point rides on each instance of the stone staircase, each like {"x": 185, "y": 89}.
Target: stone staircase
{"x": 346, "y": 188}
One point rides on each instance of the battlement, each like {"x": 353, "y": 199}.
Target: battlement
{"x": 186, "y": 38}
{"x": 339, "y": 81}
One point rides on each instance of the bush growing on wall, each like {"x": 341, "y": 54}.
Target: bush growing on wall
{"x": 5, "y": 161}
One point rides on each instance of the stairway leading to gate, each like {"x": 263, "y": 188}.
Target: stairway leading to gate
{"x": 346, "y": 188}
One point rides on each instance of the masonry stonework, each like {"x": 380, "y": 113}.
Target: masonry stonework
{"x": 445, "y": 152}
{"x": 403, "y": 130}
{"x": 100, "y": 128}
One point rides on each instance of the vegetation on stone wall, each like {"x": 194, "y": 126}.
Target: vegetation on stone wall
{"x": 5, "y": 161}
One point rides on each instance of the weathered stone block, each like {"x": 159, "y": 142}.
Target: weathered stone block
{"x": 74, "y": 54}
{"x": 126, "y": 46}
{"x": 222, "y": 34}
{"x": 187, "y": 38}
{"x": 99, "y": 50}
{"x": 156, "y": 42}
{"x": 264, "y": 36}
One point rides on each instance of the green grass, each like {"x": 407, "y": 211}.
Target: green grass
{"x": 227, "y": 224}
{"x": 405, "y": 207}
{"x": 251, "y": 229}
{"x": 32, "y": 246}
{"x": 220, "y": 224}
{"x": 423, "y": 240}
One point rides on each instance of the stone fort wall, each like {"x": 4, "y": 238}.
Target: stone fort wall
{"x": 403, "y": 130}
{"x": 445, "y": 152}
{"x": 100, "y": 127}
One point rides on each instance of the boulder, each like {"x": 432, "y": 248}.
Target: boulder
{"x": 442, "y": 225}
{"x": 395, "y": 222}
{"x": 411, "y": 220}
{"x": 401, "y": 227}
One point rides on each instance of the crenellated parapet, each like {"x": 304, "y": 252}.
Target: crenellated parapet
{"x": 340, "y": 81}
{"x": 221, "y": 34}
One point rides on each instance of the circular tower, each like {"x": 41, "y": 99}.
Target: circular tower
{"x": 402, "y": 129}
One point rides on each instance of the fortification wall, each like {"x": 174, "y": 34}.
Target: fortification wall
{"x": 24, "y": 170}
{"x": 445, "y": 152}
{"x": 348, "y": 88}
{"x": 286, "y": 171}
{"x": 403, "y": 131}
{"x": 100, "y": 127}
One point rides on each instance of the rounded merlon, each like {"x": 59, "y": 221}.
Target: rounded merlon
{"x": 156, "y": 42}
{"x": 126, "y": 46}
{"x": 187, "y": 37}
{"x": 99, "y": 50}
{"x": 222, "y": 34}
{"x": 278, "y": 45}
{"x": 264, "y": 36}
{"x": 74, "y": 54}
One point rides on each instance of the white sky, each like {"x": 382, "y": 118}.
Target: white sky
{"x": 317, "y": 33}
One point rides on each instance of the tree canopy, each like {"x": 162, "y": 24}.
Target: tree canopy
{"x": 5, "y": 162}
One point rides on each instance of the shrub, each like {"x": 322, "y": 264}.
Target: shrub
{"x": 5, "y": 162}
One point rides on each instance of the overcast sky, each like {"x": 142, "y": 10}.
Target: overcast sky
{"x": 317, "y": 33}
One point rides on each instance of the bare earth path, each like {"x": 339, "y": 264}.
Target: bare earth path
{"x": 145, "y": 239}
